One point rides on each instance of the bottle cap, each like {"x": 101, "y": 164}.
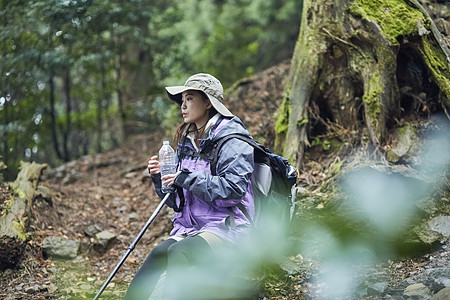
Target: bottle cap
{"x": 166, "y": 143}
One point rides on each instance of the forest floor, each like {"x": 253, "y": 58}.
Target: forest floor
{"x": 113, "y": 191}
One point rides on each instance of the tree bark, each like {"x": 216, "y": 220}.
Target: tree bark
{"x": 5, "y": 105}
{"x": 359, "y": 65}
{"x": 68, "y": 128}
{"x": 16, "y": 218}
{"x": 53, "y": 117}
{"x": 123, "y": 116}
{"x": 100, "y": 110}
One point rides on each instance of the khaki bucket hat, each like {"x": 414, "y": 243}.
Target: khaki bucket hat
{"x": 203, "y": 82}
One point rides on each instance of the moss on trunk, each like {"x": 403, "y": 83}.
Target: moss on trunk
{"x": 393, "y": 17}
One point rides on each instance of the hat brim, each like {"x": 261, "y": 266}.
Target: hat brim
{"x": 175, "y": 94}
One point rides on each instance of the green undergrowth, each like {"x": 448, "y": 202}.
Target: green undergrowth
{"x": 75, "y": 281}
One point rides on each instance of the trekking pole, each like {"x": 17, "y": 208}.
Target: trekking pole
{"x": 133, "y": 245}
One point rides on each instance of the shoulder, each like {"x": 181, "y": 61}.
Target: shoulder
{"x": 231, "y": 126}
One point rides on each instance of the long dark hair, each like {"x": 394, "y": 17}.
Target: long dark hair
{"x": 183, "y": 127}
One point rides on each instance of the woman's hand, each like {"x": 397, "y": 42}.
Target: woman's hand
{"x": 153, "y": 165}
{"x": 168, "y": 179}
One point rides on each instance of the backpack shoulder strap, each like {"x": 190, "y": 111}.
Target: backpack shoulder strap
{"x": 217, "y": 146}
{"x": 221, "y": 141}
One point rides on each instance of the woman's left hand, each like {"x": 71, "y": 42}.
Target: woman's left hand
{"x": 169, "y": 179}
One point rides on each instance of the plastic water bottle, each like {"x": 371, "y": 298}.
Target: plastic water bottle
{"x": 167, "y": 164}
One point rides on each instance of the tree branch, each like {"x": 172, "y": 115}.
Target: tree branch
{"x": 342, "y": 41}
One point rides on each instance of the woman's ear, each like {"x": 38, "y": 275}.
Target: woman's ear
{"x": 208, "y": 105}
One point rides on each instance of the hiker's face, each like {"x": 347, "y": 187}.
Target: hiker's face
{"x": 195, "y": 108}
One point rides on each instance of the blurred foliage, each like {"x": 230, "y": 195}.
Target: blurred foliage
{"x": 79, "y": 76}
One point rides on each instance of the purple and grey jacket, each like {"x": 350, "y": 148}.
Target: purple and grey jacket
{"x": 208, "y": 198}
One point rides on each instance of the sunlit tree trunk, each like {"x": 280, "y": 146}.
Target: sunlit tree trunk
{"x": 360, "y": 65}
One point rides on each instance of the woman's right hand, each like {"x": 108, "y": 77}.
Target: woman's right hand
{"x": 153, "y": 165}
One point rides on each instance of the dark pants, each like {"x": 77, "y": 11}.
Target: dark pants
{"x": 168, "y": 255}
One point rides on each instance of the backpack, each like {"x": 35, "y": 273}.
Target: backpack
{"x": 273, "y": 180}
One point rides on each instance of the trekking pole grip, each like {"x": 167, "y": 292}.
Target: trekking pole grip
{"x": 133, "y": 245}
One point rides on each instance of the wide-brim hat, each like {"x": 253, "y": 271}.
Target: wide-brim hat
{"x": 205, "y": 83}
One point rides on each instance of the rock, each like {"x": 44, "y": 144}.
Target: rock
{"x": 434, "y": 278}
{"x": 441, "y": 224}
{"x": 92, "y": 230}
{"x": 133, "y": 217}
{"x": 443, "y": 294}
{"x": 443, "y": 26}
{"x": 377, "y": 288}
{"x": 57, "y": 247}
{"x": 406, "y": 139}
{"x": 417, "y": 291}
{"x": 104, "y": 241}
{"x": 428, "y": 234}
{"x": 425, "y": 234}
{"x": 32, "y": 289}
{"x": 437, "y": 278}
{"x": 130, "y": 175}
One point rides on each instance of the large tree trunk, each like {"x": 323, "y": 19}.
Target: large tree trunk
{"x": 15, "y": 219}
{"x": 360, "y": 65}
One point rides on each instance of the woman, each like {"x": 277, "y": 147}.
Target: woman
{"x": 207, "y": 216}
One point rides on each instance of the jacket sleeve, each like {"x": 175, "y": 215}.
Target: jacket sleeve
{"x": 234, "y": 168}
{"x": 156, "y": 178}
